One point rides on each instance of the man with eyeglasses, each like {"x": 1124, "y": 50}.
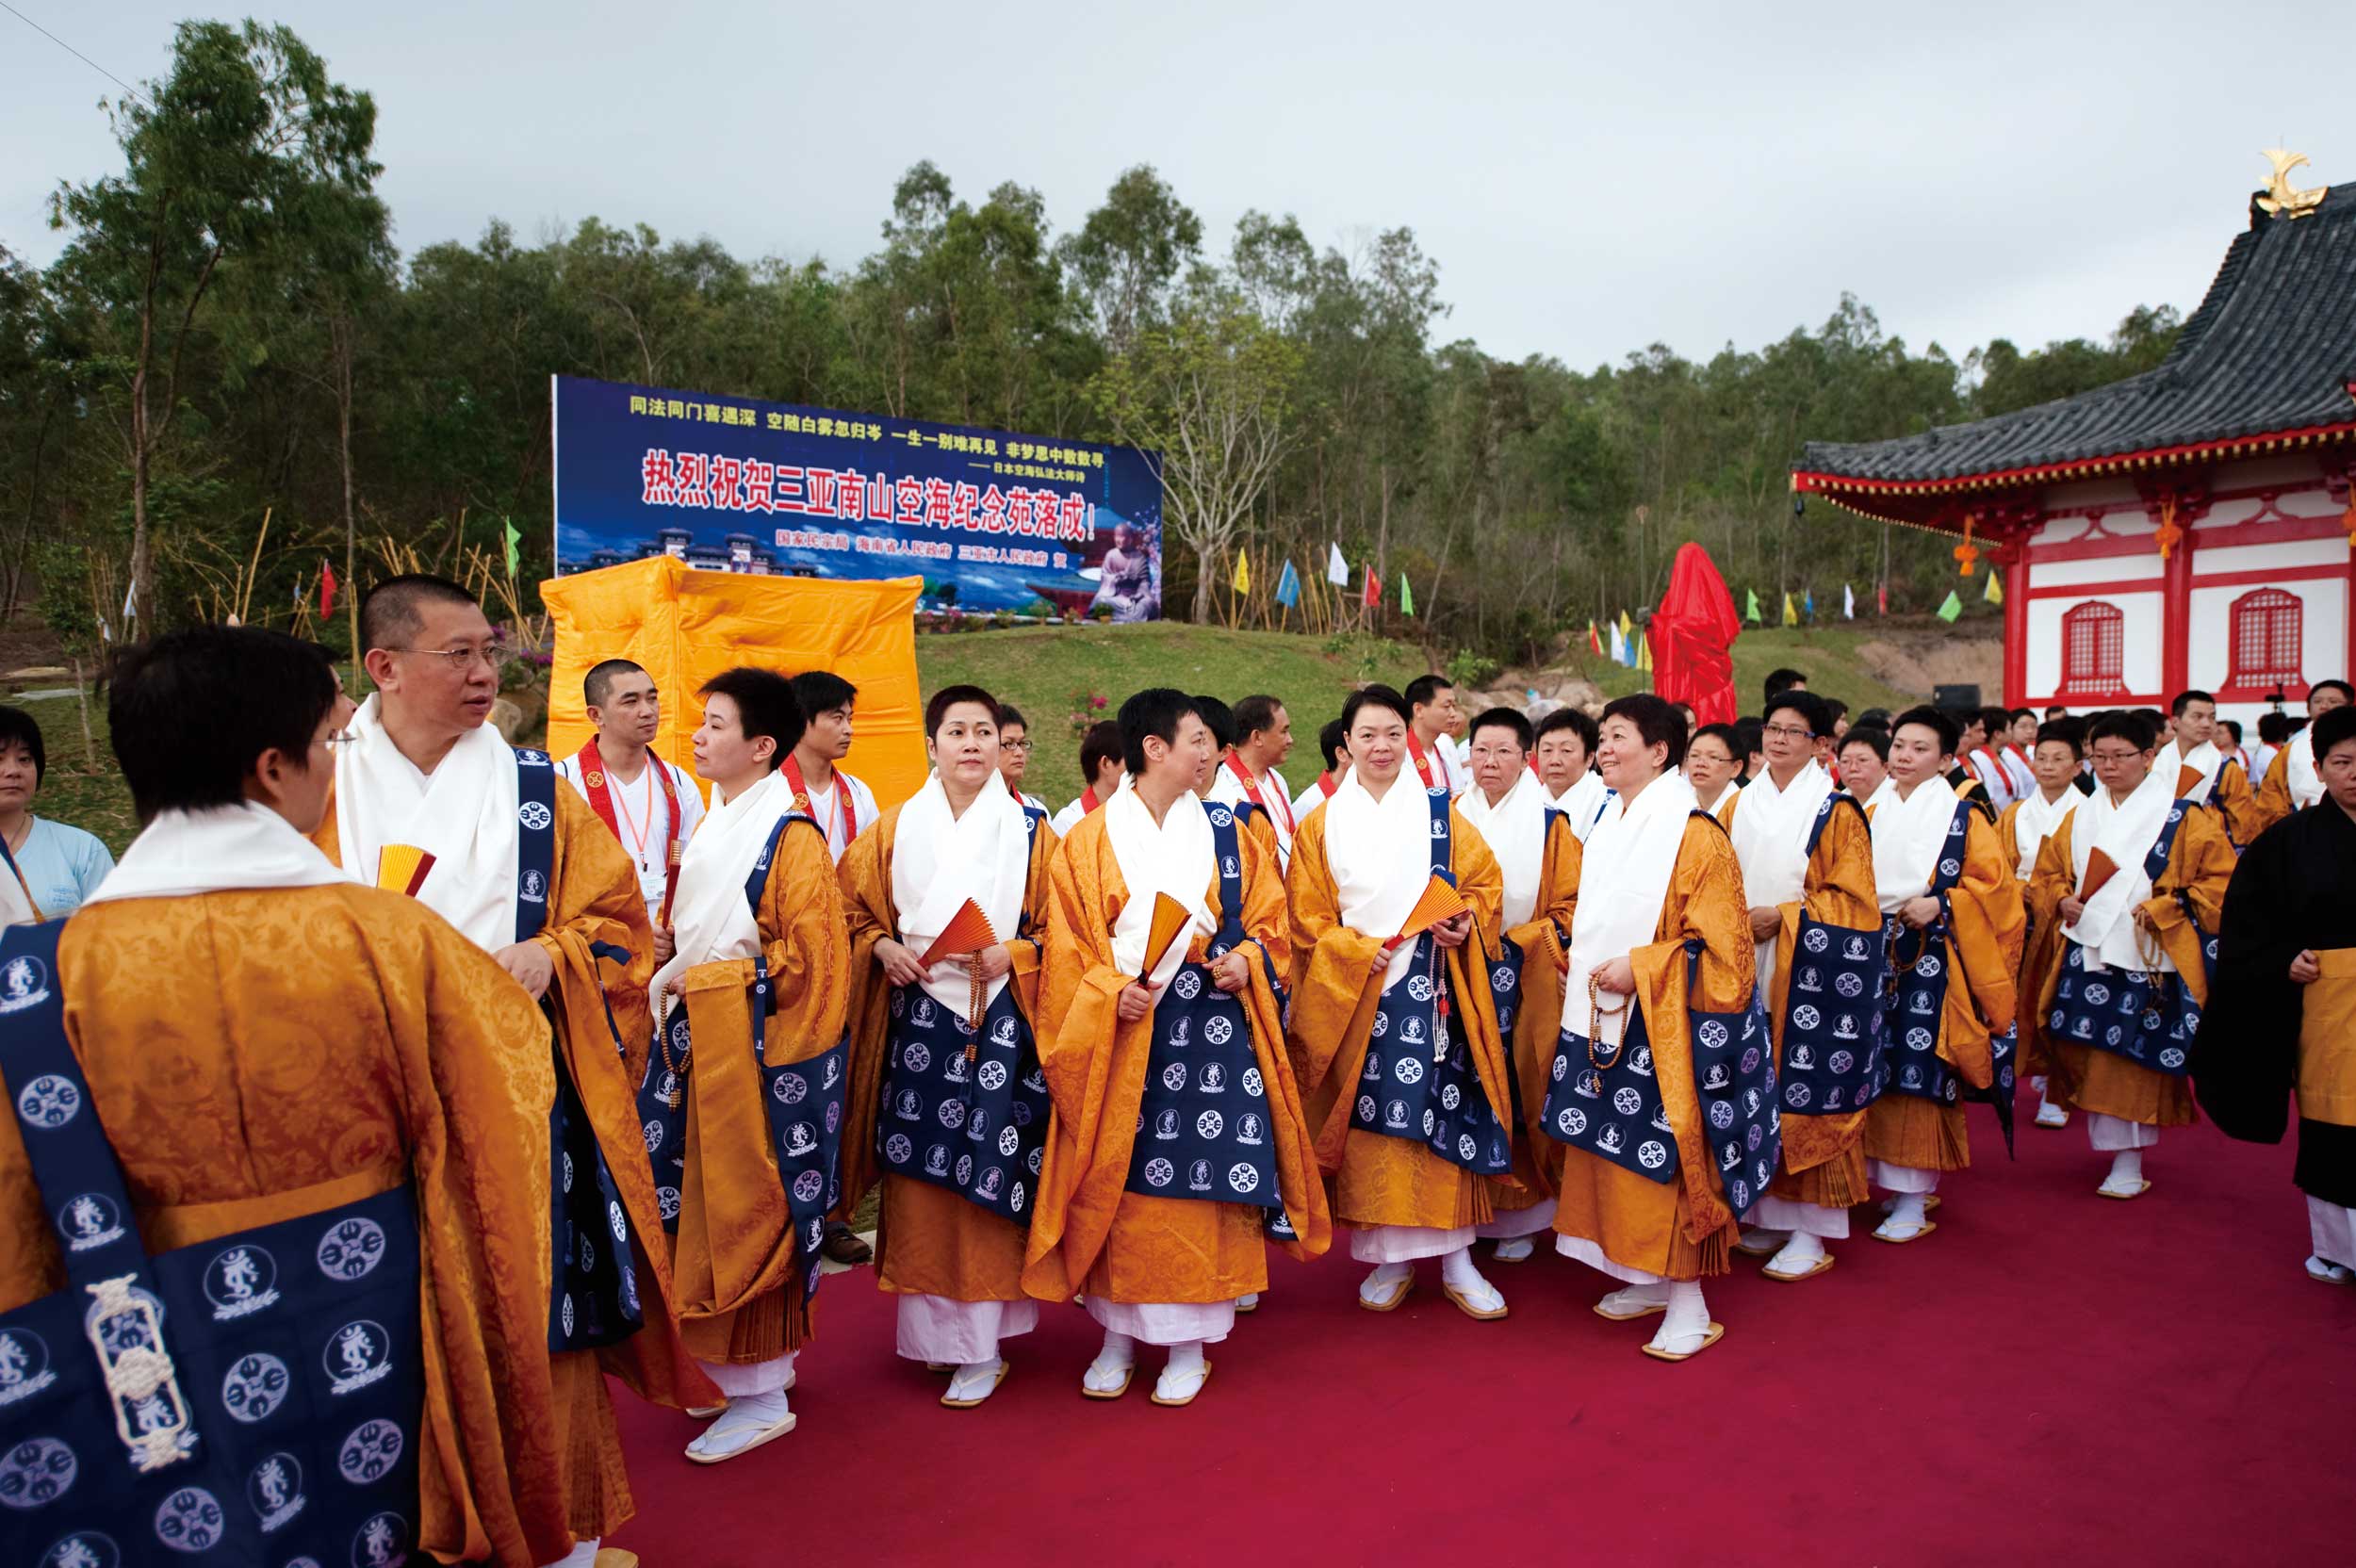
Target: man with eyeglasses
{"x": 1807, "y": 880}
{"x": 2136, "y": 878}
{"x": 429, "y": 801}
{"x": 1014, "y": 754}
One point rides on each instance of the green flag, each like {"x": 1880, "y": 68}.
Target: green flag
{"x": 1752, "y": 613}
{"x": 1953, "y": 608}
{"x": 1406, "y": 596}
{"x": 514, "y": 539}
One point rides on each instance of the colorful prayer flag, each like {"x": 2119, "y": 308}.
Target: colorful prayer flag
{"x": 1790, "y": 615}
{"x": 327, "y": 588}
{"x": 1406, "y": 596}
{"x": 1953, "y": 608}
{"x": 1336, "y": 569}
{"x": 1994, "y": 593}
{"x": 1594, "y": 640}
{"x": 1881, "y": 598}
{"x": 1848, "y": 602}
{"x": 1243, "y": 573}
{"x": 1643, "y": 651}
{"x": 1288, "y": 586}
{"x": 1808, "y": 604}
{"x": 514, "y": 538}
{"x": 1627, "y": 628}
{"x": 1751, "y": 614}
{"x": 1619, "y": 646}
{"x": 1373, "y": 594}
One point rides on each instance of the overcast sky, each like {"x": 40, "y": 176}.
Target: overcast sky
{"x": 1590, "y": 179}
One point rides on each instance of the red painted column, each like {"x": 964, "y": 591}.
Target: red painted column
{"x": 2017, "y": 626}
{"x": 2176, "y": 620}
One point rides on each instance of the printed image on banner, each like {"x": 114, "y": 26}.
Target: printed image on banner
{"x": 990, "y": 521}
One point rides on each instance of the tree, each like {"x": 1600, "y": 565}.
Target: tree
{"x": 222, "y": 160}
{"x": 1211, "y": 391}
{"x": 1129, "y": 253}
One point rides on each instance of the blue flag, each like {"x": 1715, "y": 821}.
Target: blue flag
{"x": 1288, "y": 587}
{"x": 1809, "y": 604}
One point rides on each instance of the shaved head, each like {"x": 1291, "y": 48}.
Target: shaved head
{"x": 392, "y": 612}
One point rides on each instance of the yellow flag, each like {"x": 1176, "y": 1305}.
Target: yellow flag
{"x": 1243, "y": 573}
{"x": 1790, "y": 615}
{"x": 1644, "y": 653}
{"x": 1627, "y": 628}
{"x": 1994, "y": 594}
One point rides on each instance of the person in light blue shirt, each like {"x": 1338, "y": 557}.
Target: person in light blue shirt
{"x": 57, "y": 866}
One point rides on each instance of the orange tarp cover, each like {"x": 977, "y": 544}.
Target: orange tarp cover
{"x": 685, "y": 627}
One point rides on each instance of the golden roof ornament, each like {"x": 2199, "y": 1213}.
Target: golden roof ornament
{"x": 2281, "y": 198}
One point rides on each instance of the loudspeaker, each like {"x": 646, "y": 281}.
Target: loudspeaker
{"x": 1954, "y": 699}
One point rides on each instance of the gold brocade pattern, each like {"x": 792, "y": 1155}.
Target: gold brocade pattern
{"x": 244, "y": 1044}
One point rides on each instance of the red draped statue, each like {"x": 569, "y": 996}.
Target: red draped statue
{"x": 1693, "y": 638}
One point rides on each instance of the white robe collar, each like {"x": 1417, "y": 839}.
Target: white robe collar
{"x": 1379, "y": 854}
{"x": 220, "y": 849}
{"x": 1623, "y": 882}
{"x": 1908, "y": 836}
{"x": 939, "y": 861}
{"x": 1176, "y": 856}
{"x": 463, "y": 813}
{"x": 1516, "y": 831}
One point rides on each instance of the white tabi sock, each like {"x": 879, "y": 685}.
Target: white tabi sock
{"x": 1515, "y": 1250}
{"x": 1110, "y": 1369}
{"x": 975, "y": 1380}
{"x": 1687, "y": 1322}
{"x": 1634, "y": 1298}
{"x": 1458, "y": 1273}
{"x": 583, "y": 1555}
{"x": 1800, "y": 1254}
{"x": 739, "y": 1427}
{"x": 1378, "y": 1285}
{"x": 1182, "y": 1377}
{"x": 1760, "y": 1237}
{"x": 2126, "y": 1171}
{"x": 1906, "y": 1210}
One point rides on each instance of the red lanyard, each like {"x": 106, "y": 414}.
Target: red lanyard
{"x": 845, "y": 811}
{"x": 592, "y": 764}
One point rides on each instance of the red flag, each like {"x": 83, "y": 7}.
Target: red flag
{"x": 1881, "y": 598}
{"x": 1373, "y": 596}
{"x": 327, "y": 589}
{"x": 1595, "y": 645}
{"x": 1691, "y": 637}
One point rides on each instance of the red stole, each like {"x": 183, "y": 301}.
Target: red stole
{"x": 1325, "y": 784}
{"x": 592, "y": 764}
{"x": 1088, "y": 801}
{"x": 1251, "y": 788}
{"x": 849, "y": 807}
{"x": 1423, "y": 764}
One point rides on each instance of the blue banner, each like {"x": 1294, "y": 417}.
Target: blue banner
{"x": 990, "y": 519}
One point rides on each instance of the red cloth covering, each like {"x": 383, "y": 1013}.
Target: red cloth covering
{"x": 1693, "y": 638}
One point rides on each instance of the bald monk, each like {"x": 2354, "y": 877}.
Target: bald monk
{"x": 1395, "y": 1034}
{"x": 1661, "y": 1085}
{"x": 2137, "y": 878}
{"x": 430, "y": 800}
{"x": 1952, "y": 919}
{"x": 1808, "y": 876}
{"x": 958, "y": 1142}
{"x": 1177, "y": 1149}
{"x": 1538, "y": 857}
{"x": 747, "y": 1093}
{"x": 335, "y": 1105}
{"x": 2293, "y": 780}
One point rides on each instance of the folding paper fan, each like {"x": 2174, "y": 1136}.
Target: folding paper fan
{"x": 1170, "y": 919}
{"x": 402, "y": 868}
{"x": 2101, "y": 868}
{"x": 968, "y": 931}
{"x": 1438, "y": 901}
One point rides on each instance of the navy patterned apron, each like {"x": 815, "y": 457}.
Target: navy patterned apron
{"x": 1915, "y": 999}
{"x": 1832, "y": 1018}
{"x": 1419, "y": 1082}
{"x": 804, "y": 1101}
{"x": 1203, "y": 1117}
{"x": 963, "y": 1108}
{"x": 593, "y": 1293}
{"x": 2149, "y": 1018}
{"x": 1611, "y": 1106}
{"x": 250, "y": 1400}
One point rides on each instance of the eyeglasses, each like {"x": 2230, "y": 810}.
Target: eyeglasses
{"x": 340, "y": 738}
{"x": 1014, "y": 746}
{"x": 2116, "y": 757}
{"x": 460, "y": 660}
{"x": 1789, "y": 732}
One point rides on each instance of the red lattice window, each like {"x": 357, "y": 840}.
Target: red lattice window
{"x": 2266, "y": 627}
{"x": 2093, "y": 639}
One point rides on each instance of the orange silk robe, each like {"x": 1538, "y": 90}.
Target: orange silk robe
{"x": 1087, "y": 1230}
{"x": 2273, "y": 802}
{"x": 2039, "y": 948}
{"x": 1545, "y": 943}
{"x": 1824, "y": 1157}
{"x": 1984, "y": 955}
{"x": 739, "y": 1275}
{"x": 2233, "y": 799}
{"x": 594, "y": 897}
{"x": 1336, "y": 986}
{"x": 1680, "y": 1230}
{"x": 261, "y": 1054}
{"x": 930, "y": 1241}
{"x": 2200, "y": 863}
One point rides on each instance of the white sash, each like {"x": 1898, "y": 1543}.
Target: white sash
{"x": 463, "y": 814}
{"x": 710, "y": 921}
{"x": 1770, "y": 833}
{"x": 939, "y": 861}
{"x": 1516, "y": 831}
{"x": 2037, "y": 821}
{"x": 1908, "y": 835}
{"x": 1176, "y": 856}
{"x": 1583, "y": 802}
{"x": 1623, "y": 882}
{"x": 2306, "y": 784}
{"x": 215, "y": 850}
{"x": 2106, "y": 926}
{"x": 1380, "y": 854}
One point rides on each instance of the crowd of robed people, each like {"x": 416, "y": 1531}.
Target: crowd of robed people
{"x": 590, "y": 1071}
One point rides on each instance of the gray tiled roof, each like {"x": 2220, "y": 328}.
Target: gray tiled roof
{"x": 2272, "y": 349}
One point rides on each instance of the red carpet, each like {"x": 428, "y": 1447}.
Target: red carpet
{"x": 2050, "y": 1376}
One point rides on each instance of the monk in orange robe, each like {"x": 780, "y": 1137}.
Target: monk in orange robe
{"x": 324, "y": 1045}
{"x": 2022, "y": 830}
{"x": 960, "y": 1141}
{"x": 430, "y": 800}
{"x": 1661, "y": 1085}
{"x": 1953, "y": 923}
{"x": 756, "y": 975}
{"x": 1808, "y": 876}
{"x": 2198, "y": 769}
{"x": 1177, "y": 1148}
{"x": 1538, "y": 857}
{"x": 1394, "y": 1030}
{"x": 2136, "y": 877}
{"x": 2293, "y": 782}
